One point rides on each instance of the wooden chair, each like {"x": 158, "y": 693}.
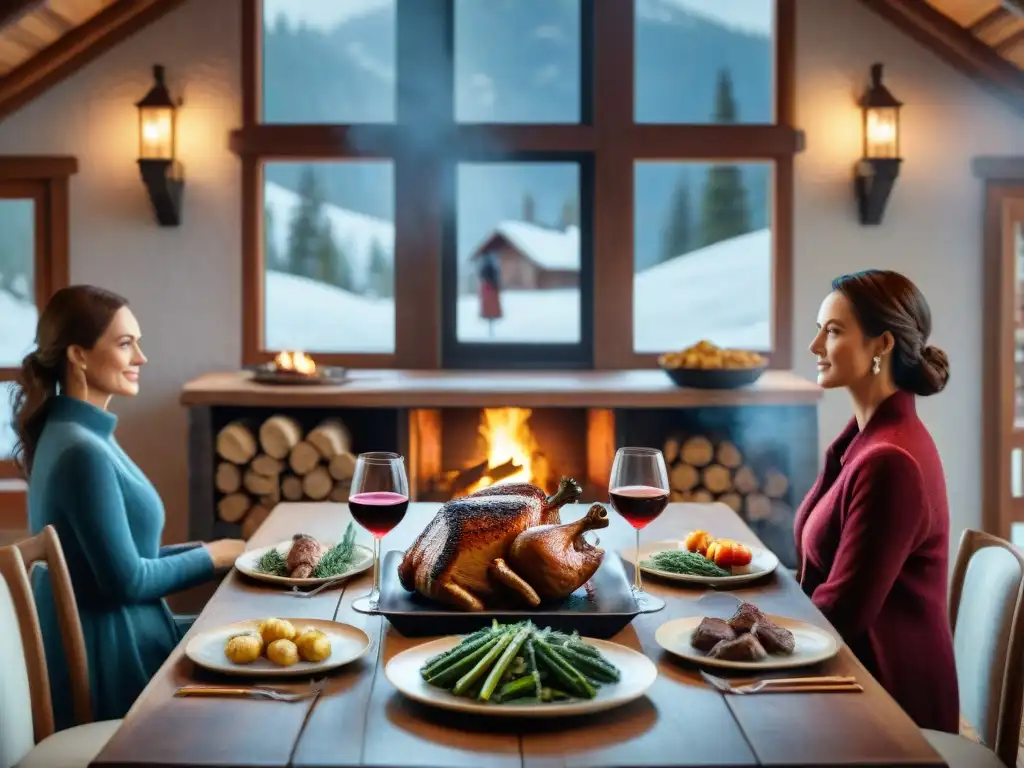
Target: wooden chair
{"x": 27, "y": 737}
{"x": 986, "y": 612}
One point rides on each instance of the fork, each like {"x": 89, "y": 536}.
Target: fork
{"x": 255, "y": 692}
{"x": 786, "y": 685}
{"x": 296, "y": 592}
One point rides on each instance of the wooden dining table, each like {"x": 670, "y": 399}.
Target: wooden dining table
{"x": 360, "y": 719}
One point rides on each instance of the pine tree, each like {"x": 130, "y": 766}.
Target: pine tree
{"x": 677, "y": 236}
{"x": 725, "y": 210}
{"x": 570, "y": 213}
{"x": 332, "y": 260}
{"x": 271, "y": 258}
{"x": 304, "y": 234}
{"x": 381, "y": 280}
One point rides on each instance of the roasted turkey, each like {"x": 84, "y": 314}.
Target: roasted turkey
{"x": 506, "y": 541}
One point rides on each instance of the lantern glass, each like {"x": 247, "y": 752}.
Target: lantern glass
{"x": 881, "y": 133}
{"x": 156, "y": 133}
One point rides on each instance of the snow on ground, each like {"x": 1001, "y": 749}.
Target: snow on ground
{"x": 722, "y": 293}
{"x": 17, "y": 332}
{"x": 305, "y": 314}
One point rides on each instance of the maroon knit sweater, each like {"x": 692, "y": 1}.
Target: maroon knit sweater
{"x": 872, "y": 539}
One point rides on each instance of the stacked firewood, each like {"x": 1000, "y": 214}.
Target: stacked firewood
{"x": 276, "y": 461}
{"x": 700, "y": 470}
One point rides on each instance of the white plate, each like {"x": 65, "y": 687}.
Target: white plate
{"x": 762, "y": 563}
{"x": 248, "y": 560}
{"x": 813, "y": 645}
{"x": 348, "y": 643}
{"x": 638, "y": 673}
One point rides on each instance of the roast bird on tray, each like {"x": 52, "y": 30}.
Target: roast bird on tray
{"x": 502, "y": 542}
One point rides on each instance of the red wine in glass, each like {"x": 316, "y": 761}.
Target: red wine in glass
{"x": 378, "y": 500}
{"x": 638, "y": 491}
{"x": 639, "y": 504}
{"x": 378, "y": 511}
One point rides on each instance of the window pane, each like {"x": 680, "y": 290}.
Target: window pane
{"x": 1018, "y": 331}
{"x": 705, "y": 61}
{"x": 18, "y": 312}
{"x": 7, "y": 438}
{"x": 328, "y": 61}
{"x": 517, "y": 61}
{"x": 703, "y": 255}
{"x": 518, "y": 253}
{"x": 329, "y": 256}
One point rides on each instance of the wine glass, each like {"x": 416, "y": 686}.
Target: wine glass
{"x": 639, "y": 492}
{"x": 377, "y": 501}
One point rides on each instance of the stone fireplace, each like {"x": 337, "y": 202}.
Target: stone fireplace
{"x": 252, "y": 447}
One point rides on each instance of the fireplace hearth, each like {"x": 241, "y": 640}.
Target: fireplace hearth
{"x": 456, "y": 451}
{"x": 252, "y": 446}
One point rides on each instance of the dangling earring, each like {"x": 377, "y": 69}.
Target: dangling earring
{"x": 876, "y": 368}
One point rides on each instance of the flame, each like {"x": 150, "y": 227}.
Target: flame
{"x": 295, "y": 361}
{"x": 507, "y": 436}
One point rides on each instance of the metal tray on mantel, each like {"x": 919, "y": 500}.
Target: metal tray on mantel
{"x": 607, "y": 607}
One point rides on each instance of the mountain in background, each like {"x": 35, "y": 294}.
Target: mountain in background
{"x": 347, "y": 74}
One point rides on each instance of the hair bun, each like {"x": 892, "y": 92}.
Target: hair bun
{"x": 933, "y": 371}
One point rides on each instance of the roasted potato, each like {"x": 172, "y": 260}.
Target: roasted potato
{"x": 283, "y": 653}
{"x": 244, "y": 648}
{"x": 313, "y": 645}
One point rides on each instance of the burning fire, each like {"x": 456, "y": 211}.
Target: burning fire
{"x": 507, "y": 437}
{"x": 295, "y": 361}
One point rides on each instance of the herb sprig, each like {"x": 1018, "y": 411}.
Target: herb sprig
{"x": 333, "y": 562}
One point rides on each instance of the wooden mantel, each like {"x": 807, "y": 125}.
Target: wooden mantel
{"x": 483, "y": 389}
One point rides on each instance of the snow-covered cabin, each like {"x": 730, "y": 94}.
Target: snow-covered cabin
{"x": 531, "y": 256}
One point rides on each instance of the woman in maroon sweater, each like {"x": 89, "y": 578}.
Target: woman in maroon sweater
{"x": 872, "y": 535}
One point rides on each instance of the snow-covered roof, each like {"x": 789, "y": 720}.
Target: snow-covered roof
{"x": 552, "y": 249}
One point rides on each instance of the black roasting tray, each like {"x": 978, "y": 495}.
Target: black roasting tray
{"x": 602, "y": 611}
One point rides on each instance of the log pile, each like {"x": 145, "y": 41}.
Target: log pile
{"x": 258, "y": 466}
{"x": 700, "y": 470}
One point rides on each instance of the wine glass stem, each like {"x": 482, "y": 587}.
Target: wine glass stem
{"x": 637, "y": 586}
{"x": 375, "y": 593}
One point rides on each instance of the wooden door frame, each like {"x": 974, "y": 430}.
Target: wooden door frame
{"x": 1003, "y": 179}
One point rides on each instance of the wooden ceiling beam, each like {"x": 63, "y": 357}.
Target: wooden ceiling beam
{"x": 83, "y": 44}
{"x": 13, "y": 10}
{"x": 955, "y": 45}
{"x": 1010, "y": 42}
{"x": 989, "y": 19}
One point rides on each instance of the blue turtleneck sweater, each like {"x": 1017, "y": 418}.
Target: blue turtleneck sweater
{"x": 109, "y": 518}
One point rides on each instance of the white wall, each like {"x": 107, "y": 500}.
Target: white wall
{"x": 932, "y": 230}
{"x": 186, "y": 283}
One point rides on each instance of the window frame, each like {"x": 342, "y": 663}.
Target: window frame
{"x": 45, "y": 180}
{"x": 609, "y": 135}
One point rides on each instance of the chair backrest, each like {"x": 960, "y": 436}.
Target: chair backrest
{"x": 21, "y": 638}
{"x": 987, "y": 617}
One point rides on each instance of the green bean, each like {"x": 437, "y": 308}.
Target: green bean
{"x": 447, "y": 676}
{"x": 506, "y": 658}
{"x": 493, "y": 652}
{"x": 565, "y": 671}
{"x": 593, "y": 667}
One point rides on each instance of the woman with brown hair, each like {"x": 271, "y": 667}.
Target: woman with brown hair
{"x": 872, "y": 535}
{"x": 108, "y": 515}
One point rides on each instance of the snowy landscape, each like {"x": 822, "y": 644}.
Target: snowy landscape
{"x": 721, "y": 293}
{"x": 703, "y": 247}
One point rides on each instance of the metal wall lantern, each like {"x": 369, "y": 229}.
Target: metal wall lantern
{"x": 879, "y": 165}
{"x": 161, "y": 172}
